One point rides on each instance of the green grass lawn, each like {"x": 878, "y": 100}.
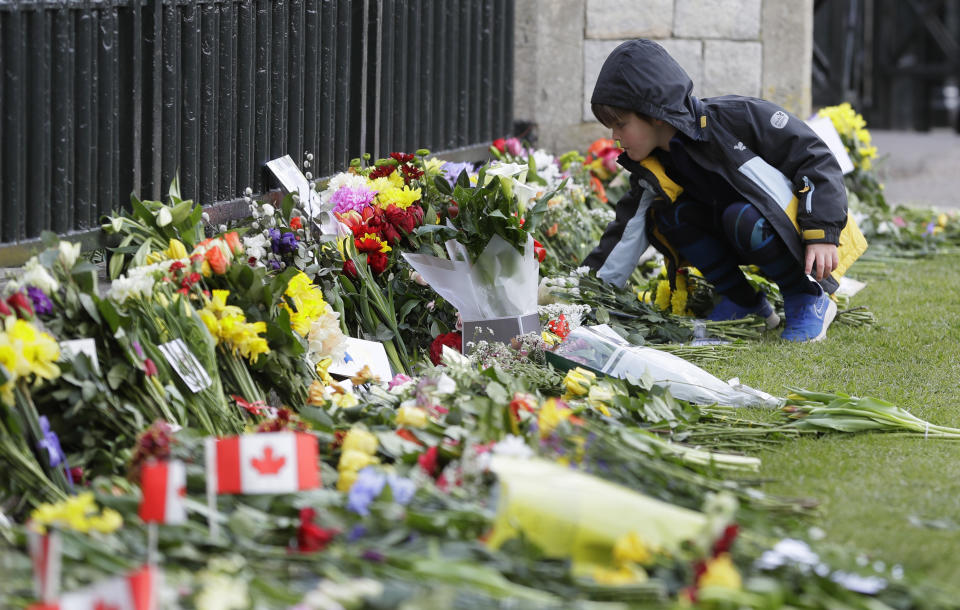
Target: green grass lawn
{"x": 870, "y": 485}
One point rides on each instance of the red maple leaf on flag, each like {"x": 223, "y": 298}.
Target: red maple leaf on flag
{"x": 267, "y": 464}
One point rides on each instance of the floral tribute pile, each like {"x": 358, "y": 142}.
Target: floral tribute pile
{"x": 180, "y": 436}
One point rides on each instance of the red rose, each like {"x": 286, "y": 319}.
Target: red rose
{"x": 403, "y": 220}
{"x": 453, "y": 340}
{"x": 428, "y": 461}
{"x": 20, "y": 303}
{"x": 389, "y": 233}
{"x": 378, "y": 261}
{"x": 310, "y": 536}
{"x": 350, "y": 269}
{"x": 539, "y": 251}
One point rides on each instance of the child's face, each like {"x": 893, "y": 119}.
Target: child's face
{"x": 637, "y": 137}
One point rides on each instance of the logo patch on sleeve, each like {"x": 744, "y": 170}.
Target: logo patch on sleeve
{"x": 779, "y": 119}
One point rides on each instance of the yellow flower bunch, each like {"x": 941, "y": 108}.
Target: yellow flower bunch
{"x": 307, "y": 299}
{"x": 78, "y": 513}
{"x": 853, "y": 131}
{"x": 552, "y": 413}
{"x": 325, "y": 394}
{"x": 678, "y": 300}
{"x": 720, "y": 572}
{"x": 228, "y": 325}
{"x": 26, "y": 351}
{"x": 401, "y": 196}
{"x": 577, "y": 382}
{"x": 412, "y": 417}
{"x": 662, "y": 300}
{"x": 357, "y": 452}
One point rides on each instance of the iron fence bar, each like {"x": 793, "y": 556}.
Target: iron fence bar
{"x": 100, "y": 99}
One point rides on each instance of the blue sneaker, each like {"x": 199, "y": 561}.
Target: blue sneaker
{"x": 728, "y": 310}
{"x": 807, "y": 316}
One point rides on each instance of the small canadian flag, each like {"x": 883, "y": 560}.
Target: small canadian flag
{"x": 45, "y": 554}
{"x": 136, "y": 591}
{"x": 164, "y": 486}
{"x": 265, "y": 463}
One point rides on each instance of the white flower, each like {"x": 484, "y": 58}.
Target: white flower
{"x": 267, "y": 209}
{"x": 220, "y": 592}
{"x": 326, "y": 339}
{"x": 343, "y": 179}
{"x": 37, "y": 275}
{"x": 68, "y": 253}
{"x": 255, "y": 245}
{"x": 123, "y": 288}
{"x": 868, "y": 585}
{"x": 513, "y": 446}
{"x": 788, "y": 551}
{"x": 445, "y": 385}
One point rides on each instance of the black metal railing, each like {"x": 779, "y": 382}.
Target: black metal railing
{"x": 99, "y": 99}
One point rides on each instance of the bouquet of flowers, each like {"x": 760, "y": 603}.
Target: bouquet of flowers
{"x": 492, "y": 266}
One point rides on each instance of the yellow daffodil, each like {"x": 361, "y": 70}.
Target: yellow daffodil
{"x": 413, "y": 417}
{"x": 577, "y": 382}
{"x": 78, "y": 513}
{"x": 176, "y": 250}
{"x": 106, "y": 522}
{"x": 360, "y": 440}
{"x": 599, "y": 397}
{"x": 552, "y": 412}
{"x": 352, "y": 462}
{"x": 721, "y": 572}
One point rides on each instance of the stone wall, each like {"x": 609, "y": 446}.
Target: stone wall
{"x": 750, "y": 47}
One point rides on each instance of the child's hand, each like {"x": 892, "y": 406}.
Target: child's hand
{"x": 822, "y": 257}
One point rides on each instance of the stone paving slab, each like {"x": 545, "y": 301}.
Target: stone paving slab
{"x": 919, "y": 169}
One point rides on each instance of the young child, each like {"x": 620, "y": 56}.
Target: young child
{"x": 720, "y": 182}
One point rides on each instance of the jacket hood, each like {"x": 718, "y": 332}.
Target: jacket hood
{"x": 640, "y": 75}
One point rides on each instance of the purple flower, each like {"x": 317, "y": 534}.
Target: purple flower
{"x": 402, "y": 489}
{"x": 376, "y": 556}
{"x": 368, "y": 486}
{"x": 55, "y": 454}
{"x": 275, "y": 264}
{"x": 41, "y": 302}
{"x": 137, "y": 348}
{"x": 351, "y": 198}
{"x": 451, "y": 171}
{"x": 288, "y": 243}
{"x": 274, "y": 240}
{"x": 929, "y": 230}
{"x": 356, "y": 533}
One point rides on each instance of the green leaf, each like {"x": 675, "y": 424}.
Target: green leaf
{"x": 174, "y": 192}
{"x": 117, "y": 375}
{"x": 442, "y": 185}
{"x": 286, "y": 207}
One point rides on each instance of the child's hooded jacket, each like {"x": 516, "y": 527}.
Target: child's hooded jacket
{"x": 772, "y": 158}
